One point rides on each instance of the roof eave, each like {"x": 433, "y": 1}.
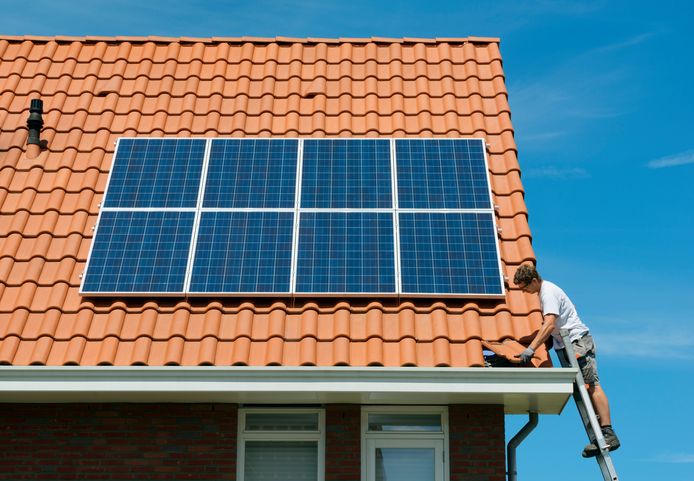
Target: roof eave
{"x": 541, "y": 390}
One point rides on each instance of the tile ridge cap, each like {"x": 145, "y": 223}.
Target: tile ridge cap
{"x": 244, "y": 39}
{"x": 473, "y": 39}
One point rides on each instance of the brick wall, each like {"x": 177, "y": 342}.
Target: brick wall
{"x": 198, "y": 442}
{"x": 118, "y": 441}
{"x": 343, "y": 442}
{"x": 477, "y": 443}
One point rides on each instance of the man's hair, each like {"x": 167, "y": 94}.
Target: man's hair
{"x": 525, "y": 274}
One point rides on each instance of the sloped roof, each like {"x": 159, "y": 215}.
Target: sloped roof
{"x": 96, "y": 89}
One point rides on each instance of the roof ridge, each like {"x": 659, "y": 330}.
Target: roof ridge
{"x": 246, "y": 39}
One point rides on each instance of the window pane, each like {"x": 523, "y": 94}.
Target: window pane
{"x": 405, "y": 464}
{"x": 282, "y": 422}
{"x": 405, "y": 422}
{"x": 281, "y": 461}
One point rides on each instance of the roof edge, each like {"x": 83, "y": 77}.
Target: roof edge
{"x": 244, "y": 39}
{"x": 542, "y": 390}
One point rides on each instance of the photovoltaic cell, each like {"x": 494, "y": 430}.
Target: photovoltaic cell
{"x": 137, "y": 251}
{"x": 346, "y": 173}
{"x": 252, "y": 173}
{"x": 441, "y": 174}
{"x": 243, "y": 252}
{"x": 156, "y": 173}
{"x": 448, "y": 253}
{"x": 345, "y": 252}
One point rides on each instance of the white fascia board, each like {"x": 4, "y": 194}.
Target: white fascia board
{"x": 542, "y": 390}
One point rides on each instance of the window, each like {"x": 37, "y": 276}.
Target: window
{"x": 281, "y": 444}
{"x": 404, "y": 443}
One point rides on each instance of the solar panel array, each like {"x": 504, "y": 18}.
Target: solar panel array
{"x": 296, "y": 217}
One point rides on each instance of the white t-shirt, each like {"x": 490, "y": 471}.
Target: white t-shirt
{"x": 555, "y": 301}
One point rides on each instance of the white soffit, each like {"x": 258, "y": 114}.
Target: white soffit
{"x": 541, "y": 390}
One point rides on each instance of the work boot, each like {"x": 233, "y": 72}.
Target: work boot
{"x": 590, "y": 450}
{"x": 611, "y": 440}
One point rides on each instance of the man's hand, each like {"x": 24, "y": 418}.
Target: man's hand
{"x": 526, "y": 355}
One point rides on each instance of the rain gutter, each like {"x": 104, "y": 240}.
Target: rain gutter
{"x": 541, "y": 390}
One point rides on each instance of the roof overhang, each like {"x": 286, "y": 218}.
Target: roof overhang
{"x": 541, "y": 390}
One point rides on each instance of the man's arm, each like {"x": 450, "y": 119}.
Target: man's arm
{"x": 548, "y": 324}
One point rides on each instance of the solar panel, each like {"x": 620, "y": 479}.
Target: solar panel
{"x": 345, "y": 252}
{"x": 346, "y": 173}
{"x": 156, "y": 173}
{"x": 243, "y": 252}
{"x": 442, "y": 174}
{"x": 257, "y": 173}
{"x": 448, "y": 253}
{"x": 138, "y": 252}
{"x": 296, "y": 217}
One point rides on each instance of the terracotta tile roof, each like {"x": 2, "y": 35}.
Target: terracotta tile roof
{"x": 96, "y": 89}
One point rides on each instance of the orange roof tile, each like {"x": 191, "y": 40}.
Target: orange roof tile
{"x": 96, "y": 89}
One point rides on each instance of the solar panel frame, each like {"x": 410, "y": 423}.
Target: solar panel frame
{"x": 395, "y": 210}
{"x": 468, "y": 192}
{"x": 297, "y": 203}
{"x": 457, "y": 227}
{"x": 354, "y": 169}
{"x": 333, "y": 293}
{"x": 396, "y": 225}
{"x": 149, "y": 186}
{"x": 258, "y": 178}
{"x": 113, "y": 216}
{"x": 255, "y": 223}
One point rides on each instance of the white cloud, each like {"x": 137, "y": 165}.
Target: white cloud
{"x": 543, "y": 136}
{"x": 592, "y": 85}
{"x": 649, "y": 343}
{"x": 675, "y": 458}
{"x": 629, "y": 42}
{"x": 558, "y": 173}
{"x": 683, "y": 158}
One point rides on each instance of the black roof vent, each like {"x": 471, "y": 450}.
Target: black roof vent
{"x": 35, "y": 122}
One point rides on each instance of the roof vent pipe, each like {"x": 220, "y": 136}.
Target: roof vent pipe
{"x": 515, "y": 442}
{"x": 35, "y": 122}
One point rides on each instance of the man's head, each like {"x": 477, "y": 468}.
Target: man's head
{"x": 528, "y": 279}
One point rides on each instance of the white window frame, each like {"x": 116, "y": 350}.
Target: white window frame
{"x": 243, "y": 436}
{"x": 370, "y": 440}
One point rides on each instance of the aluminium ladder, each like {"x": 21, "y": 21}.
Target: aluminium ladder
{"x": 586, "y": 410}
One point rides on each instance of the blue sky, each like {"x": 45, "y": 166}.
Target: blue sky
{"x": 601, "y": 95}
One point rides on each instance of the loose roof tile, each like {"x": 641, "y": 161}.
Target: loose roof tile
{"x": 96, "y": 89}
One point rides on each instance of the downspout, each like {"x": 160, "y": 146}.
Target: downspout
{"x": 515, "y": 442}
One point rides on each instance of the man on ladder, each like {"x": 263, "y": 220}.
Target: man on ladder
{"x": 559, "y": 313}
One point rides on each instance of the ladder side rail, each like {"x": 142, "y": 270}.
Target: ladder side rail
{"x": 579, "y": 401}
{"x": 580, "y": 386}
{"x": 585, "y": 415}
{"x": 609, "y": 473}
{"x": 587, "y": 412}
